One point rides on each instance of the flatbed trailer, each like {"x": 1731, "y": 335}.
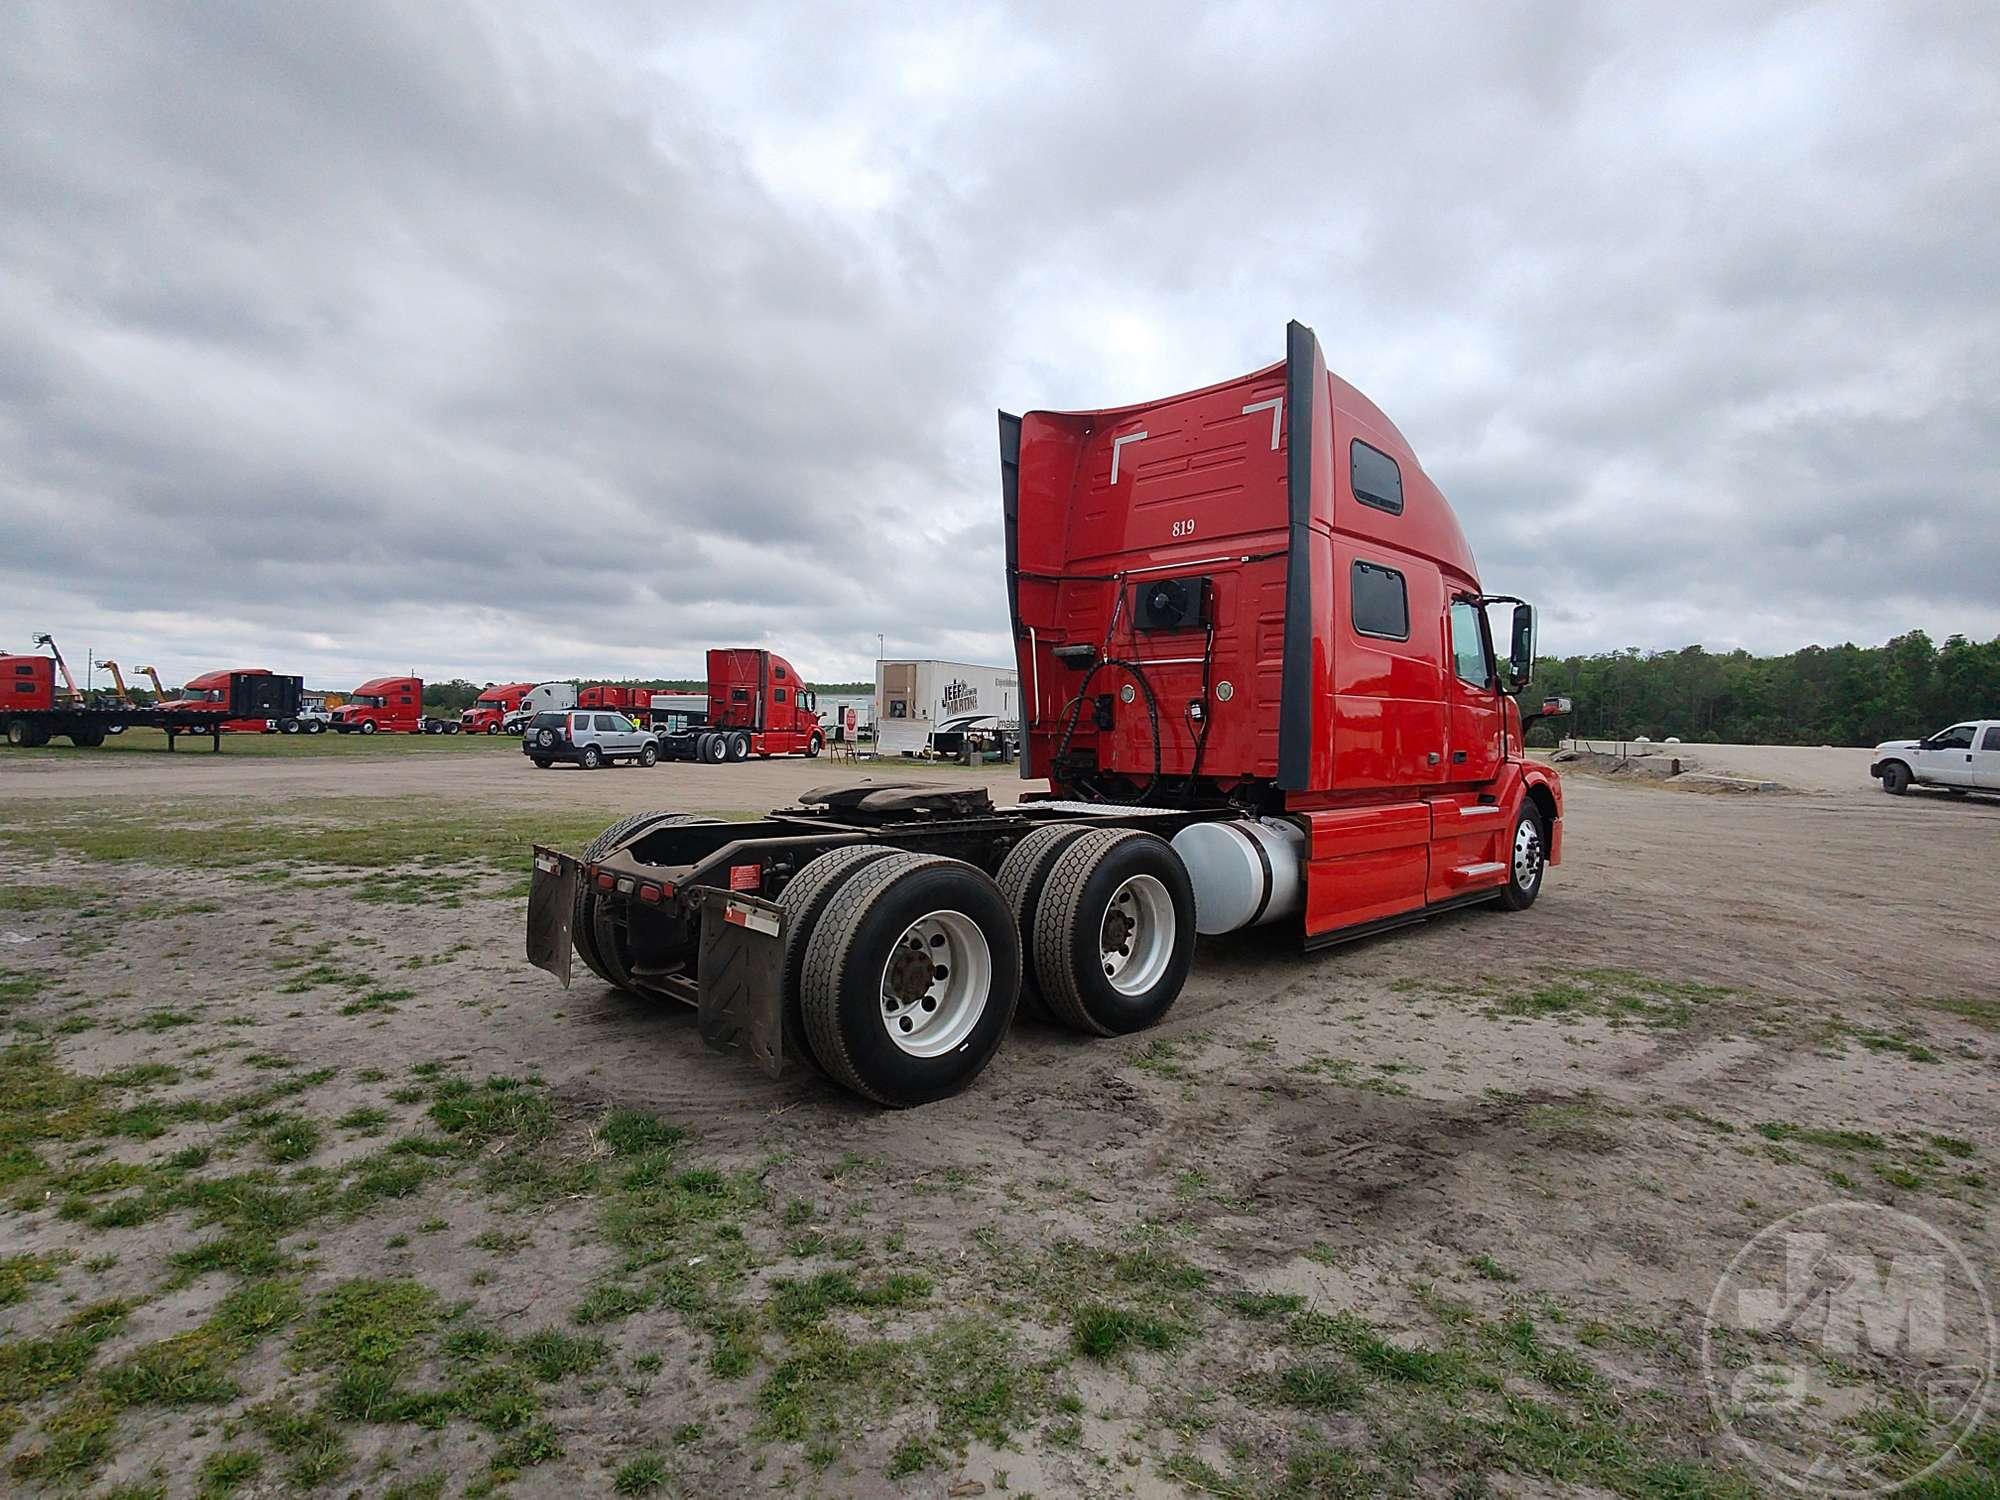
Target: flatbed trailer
{"x": 31, "y": 716}
{"x": 1258, "y": 671}
{"x": 89, "y": 727}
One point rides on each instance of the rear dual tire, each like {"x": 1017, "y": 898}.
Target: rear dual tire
{"x": 909, "y": 978}
{"x": 712, "y": 748}
{"x": 596, "y": 931}
{"x": 1113, "y": 931}
{"x": 804, "y": 897}
{"x": 1022, "y": 876}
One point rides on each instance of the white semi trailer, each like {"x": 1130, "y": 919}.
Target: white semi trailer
{"x": 547, "y": 697}
{"x": 918, "y": 702}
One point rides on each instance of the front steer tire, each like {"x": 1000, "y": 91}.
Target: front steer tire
{"x": 1895, "y": 778}
{"x": 1114, "y": 883}
{"x": 584, "y": 927}
{"x": 932, "y": 938}
{"x": 1527, "y": 856}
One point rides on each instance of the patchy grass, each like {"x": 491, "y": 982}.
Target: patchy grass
{"x": 19, "y": 1272}
{"x": 643, "y": 1475}
{"x": 340, "y": 833}
{"x": 1619, "y": 997}
{"x": 1831, "y": 1140}
{"x": 1099, "y": 1331}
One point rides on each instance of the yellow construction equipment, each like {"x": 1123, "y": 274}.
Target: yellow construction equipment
{"x": 124, "y": 699}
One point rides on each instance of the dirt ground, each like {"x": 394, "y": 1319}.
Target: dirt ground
{"x": 313, "y": 1185}
{"x": 1804, "y": 768}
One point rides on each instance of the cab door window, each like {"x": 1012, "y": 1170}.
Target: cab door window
{"x": 1958, "y": 737}
{"x": 1468, "y": 646}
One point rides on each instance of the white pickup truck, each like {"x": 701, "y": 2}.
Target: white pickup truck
{"x": 1961, "y": 759}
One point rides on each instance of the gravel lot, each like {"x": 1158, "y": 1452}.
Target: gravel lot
{"x": 313, "y": 1183}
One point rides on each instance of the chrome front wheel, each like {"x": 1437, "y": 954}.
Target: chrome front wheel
{"x": 1528, "y": 854}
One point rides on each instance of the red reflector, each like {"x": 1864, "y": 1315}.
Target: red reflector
{"x": 667, "y": 890}
{"x": 650, "y": 893}
{"x": 746, "y": 877}
{"x": 604, "y": 882}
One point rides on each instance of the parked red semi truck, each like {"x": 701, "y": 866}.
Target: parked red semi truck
{"x": 213, "y": 690}
{"x": 389, "y": 705}
{"x": 490, "y": 709}
{"x": 1259, "y": 677}
{"x": 618, "y": 697}
{"x": 757, "y": 705}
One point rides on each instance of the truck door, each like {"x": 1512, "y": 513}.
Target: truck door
{"x": 1472, "y": 751}
{"x": 1986, "y": 759}
{"x": 1945, "y": 759}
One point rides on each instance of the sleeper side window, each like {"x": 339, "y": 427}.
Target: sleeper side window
{"x": 1377, "y": 480}
{"x": 1381, "y": 601}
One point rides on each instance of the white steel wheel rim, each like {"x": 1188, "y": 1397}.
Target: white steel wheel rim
{"x": 935, "y": 983}
{"x": 1527, "y": 854}
{"x": 1135, "y": 939}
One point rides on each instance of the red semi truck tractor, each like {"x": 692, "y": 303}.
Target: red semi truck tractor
{"x": 1259, "y": 676}
{"x": 490, "y": 709}
{"x": 212, "y": 691}
{"x": 389, "y": 705}
{"x": 756, "y": 706}
{"x": 617, "y": 697}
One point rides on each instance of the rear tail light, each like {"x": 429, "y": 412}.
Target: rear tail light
{"x": 650, "y": 894}
{"x": 605, "y": 882}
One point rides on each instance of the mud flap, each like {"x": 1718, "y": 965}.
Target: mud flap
{"x": 551, "y": 906}
{"x": 741, "y": 967}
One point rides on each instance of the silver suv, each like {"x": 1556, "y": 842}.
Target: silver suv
{"x": 588, "y": 737}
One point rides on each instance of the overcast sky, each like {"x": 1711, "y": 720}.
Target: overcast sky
{"x": 532, "y": 340}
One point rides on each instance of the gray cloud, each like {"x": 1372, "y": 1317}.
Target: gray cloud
{"x": 504, "y": 341}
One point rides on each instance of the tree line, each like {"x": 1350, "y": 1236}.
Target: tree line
{"x": 1822, "y": 695}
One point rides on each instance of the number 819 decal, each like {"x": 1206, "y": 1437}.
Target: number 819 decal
{"x": 1183, "y": 528}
